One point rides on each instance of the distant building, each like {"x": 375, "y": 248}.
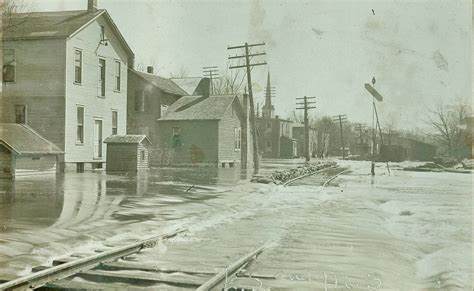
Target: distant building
{"x": 127, "y": 153}
{"x": 204, "y": 130}
{"x": 275, "y": 139}
{"x": 402, "y": 149}
{"x": 298, "y": 134}
{"x": 24, "y": 152}
{"x": 148, "y": 95}
{"x": 65, "y": 75}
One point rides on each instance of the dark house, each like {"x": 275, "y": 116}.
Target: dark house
{"x": 275, "y": 139}
{"x": 148, "y": 95}
{"x": 401, "y": 149}
{"x": 127, "y": 153}
{"x": 24, "y": 152}
{"x": 203, "y": 130}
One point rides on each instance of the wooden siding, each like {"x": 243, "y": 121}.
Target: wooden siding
{"x": 142, "y": 164}
{"x": 227, "y": 151}
{"x": 34, "y": 165}
{"x": 39, "y": 84}
{"x": 5, "y": 163}
{"x": 121, "y": 158}
{"x": 199, "y": 142}
{"x": 86, "y": 93}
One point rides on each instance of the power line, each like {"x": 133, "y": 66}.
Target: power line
{"x": 307, "y": 105}
{"x": 247, "y": 55}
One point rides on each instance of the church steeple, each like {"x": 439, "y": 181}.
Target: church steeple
{"x": 268, "y": 108}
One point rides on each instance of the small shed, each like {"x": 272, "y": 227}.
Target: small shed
{"x": 127, "y": 153}
{"x": 24, "y": 152}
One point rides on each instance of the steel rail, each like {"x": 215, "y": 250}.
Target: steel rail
{"x": 307, "y": 175}
{"x": 219, "y": 277}
{"x": 65, "y": 270}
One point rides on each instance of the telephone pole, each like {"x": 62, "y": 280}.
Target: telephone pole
{"x": 212, "y": 73}
{"x": 248, "y": 66}
{"x": 341, "y": 119}
{"x": 306, "y": 106}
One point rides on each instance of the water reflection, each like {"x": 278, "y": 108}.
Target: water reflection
{"x": 74, "y": 200}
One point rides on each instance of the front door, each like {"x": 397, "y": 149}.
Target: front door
{"x": 98, "y": 139}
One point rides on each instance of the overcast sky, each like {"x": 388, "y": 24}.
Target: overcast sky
{"x": 418, "y": 50}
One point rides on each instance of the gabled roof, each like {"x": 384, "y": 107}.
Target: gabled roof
{"x": 166, "y": 85}
{"x": 23, "y": 140}
{"x": 128, "y": 138}
{"x": 191, "y": 85}
{"x": 57, "y": 24}
{"x": 199, "y": 108}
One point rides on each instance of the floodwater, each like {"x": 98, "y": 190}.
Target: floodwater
{"x": 406, "y": 230}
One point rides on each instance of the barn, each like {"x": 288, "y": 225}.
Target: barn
{"x": 24, "y": 152}
{"x": 127, "y": 153}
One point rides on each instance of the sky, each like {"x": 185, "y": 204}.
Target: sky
{"x": 419, "y": 51}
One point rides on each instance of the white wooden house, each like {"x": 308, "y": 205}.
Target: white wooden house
{"x": 65, "y": 75}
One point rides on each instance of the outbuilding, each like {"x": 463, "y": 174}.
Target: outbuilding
{"x": 24, "y": 152}
{"x": 127, "y": 153}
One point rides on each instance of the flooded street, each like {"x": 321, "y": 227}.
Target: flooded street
{"x": 406, "y": 230}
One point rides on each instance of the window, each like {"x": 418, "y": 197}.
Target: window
{"x": 142, "y": 156}
{"x": 9, "y": 65}
{"x": 20, "y": 114}
{"x": 102, "y": 33}
{"x": 176, "y": 139}
{"x": 80, "y": 125}
{"x": 269, "y": 146}
{"x": 139, "y": 101}
{"x": 114, "y": 122}
{"x": 101, "y": 86}
{"x": 237, "y": 138}
{"x": 117, "y": 75}
{"x": 78, "y": 66}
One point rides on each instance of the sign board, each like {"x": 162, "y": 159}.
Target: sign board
{"x": 373, "y": 92}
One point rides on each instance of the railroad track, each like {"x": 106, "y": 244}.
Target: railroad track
{"x": 97, "y": 271}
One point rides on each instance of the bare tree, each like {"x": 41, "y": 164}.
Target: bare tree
{"x": 389, "y": 127}
{"x": 181, "y": 73}
{"x": 446, "y": 122}
{"x": 11, "y": 19}
{"x": 230, "y": 82}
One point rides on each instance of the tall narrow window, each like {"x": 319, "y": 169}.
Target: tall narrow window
{"x": 102, "y": 32}
{"x": 9, "y": 65}
{"x": 101, "y": 78}
{"x": 117, "y": 75}
{"x": 237, "y": 138}
{"x": 20, "y": 114}
{"x": 80, "y": 125}
{"x": 176, "y": 139}
{"x": 114, "y": 122}
{"x": 78, "y": 66}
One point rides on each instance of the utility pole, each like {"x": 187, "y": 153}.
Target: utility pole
{"x": 248, "y": 66}
{"x": 359, "y": 127}
{"x": 375, "y": 96}
{"x": 212, "y": 73}
{"x": 341, "y": 119}
{"x": 306, "y": 106}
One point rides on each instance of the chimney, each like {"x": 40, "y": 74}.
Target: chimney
{"x": 149, "y": 69}
{"x": 91, "y": 5}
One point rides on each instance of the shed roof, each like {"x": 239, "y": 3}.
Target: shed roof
{"x": 23, "y": 140}
{"x": 127, "y": 138}
{"x": 189, "y": 85}
{"x": 56, "y": 24}
{"x": 199, "y": 108}
{"x": 161, "y": 83}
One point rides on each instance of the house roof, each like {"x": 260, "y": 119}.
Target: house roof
{"x": 199, "y": 108}
{"x": 128, "y": 138}
{"x": 23, "y": 140}
{"x": 161, "y": 83}
{"x": 189, "y": 85}
{"x": 56, "y": 24}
